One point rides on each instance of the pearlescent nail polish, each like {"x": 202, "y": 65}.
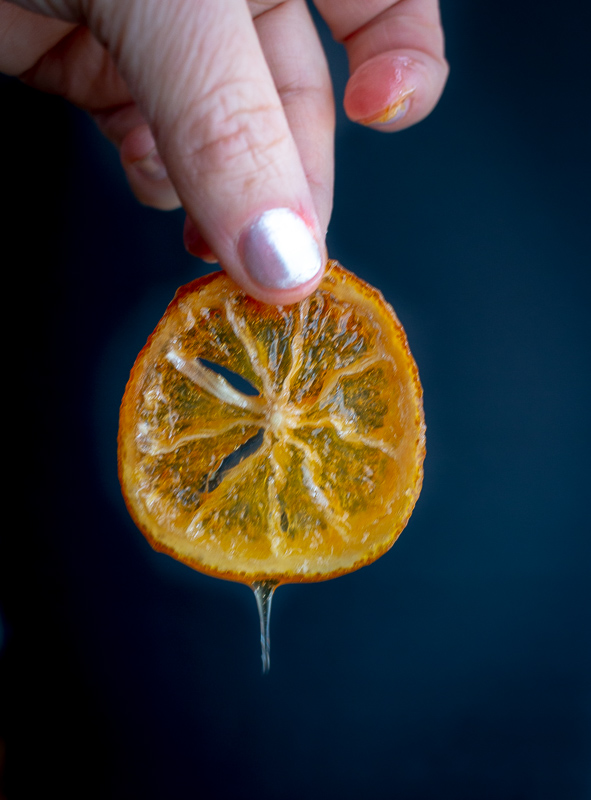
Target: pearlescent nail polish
{"x": 279, "y": 250}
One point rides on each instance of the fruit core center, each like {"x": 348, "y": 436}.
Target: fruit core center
{"x": 279, "y": 418}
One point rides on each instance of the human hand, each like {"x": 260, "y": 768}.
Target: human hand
{"x": 226, "y": 107}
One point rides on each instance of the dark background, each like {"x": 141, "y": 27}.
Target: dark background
{"x": 457, "y": 666}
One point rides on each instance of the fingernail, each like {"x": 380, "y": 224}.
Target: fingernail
{"x": 196, "y": 244}
{"x": 392, "y": 113}
{"x": 151, "y": 166}
{"x": 279, "y": 250}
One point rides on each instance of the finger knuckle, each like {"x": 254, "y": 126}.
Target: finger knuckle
{"x": 230, "y": 132}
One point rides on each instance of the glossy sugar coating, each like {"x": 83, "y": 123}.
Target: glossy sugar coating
{"x": 336, "y": 431}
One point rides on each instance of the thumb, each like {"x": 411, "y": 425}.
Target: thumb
{"x": 197, "y": 72}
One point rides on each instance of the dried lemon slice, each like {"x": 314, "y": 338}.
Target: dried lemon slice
{"x": 310, "y": 473}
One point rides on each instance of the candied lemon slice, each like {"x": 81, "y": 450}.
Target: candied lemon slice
{"x": 310, "y": 473}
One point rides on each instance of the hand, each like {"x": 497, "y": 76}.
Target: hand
{"x": 226, "y": 107}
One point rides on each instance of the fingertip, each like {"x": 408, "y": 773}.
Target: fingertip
{"x": 280, "y": 259}
{"x": 195, "y": 244}
{"x": 145, "y": 170}
{"x": 394, "y": 90}
{"x": 272, "y": 267}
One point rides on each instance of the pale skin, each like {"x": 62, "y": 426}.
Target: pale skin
{"x": 225, "y": 106}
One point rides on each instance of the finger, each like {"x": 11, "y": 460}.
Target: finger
{"x": 304, "y": 86}
{"x": 25, "y": 37}
{"x": 65, "y": 59}
{"x": 196, "y": 244}
{"x": 286, "y": 31}
{"x": 144, "y": 169}
{"x": 396, "y": 59}
{"x": 201, "y": 80}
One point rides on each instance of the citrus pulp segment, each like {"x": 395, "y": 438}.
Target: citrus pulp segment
{"x": 312, "y": 473}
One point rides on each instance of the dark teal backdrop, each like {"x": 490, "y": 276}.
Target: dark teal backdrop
{"x": 458, "y": 666}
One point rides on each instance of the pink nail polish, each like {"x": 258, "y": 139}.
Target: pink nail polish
{"x": 379, "y": 91}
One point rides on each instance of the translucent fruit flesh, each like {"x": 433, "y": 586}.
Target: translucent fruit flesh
{"x": 313, "y": 476}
